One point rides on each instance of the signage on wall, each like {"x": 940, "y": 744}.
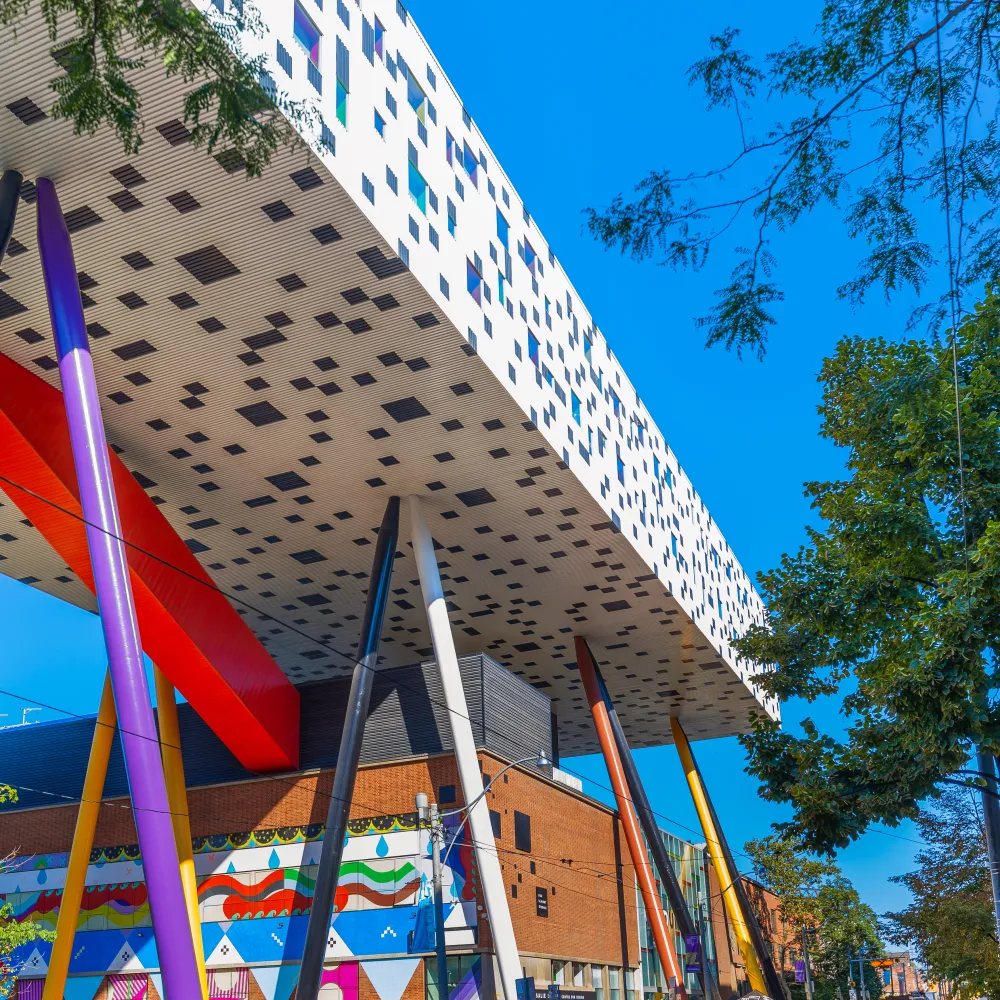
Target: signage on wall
{"x": 541, "y": 901}
{"x": 692, "y": 948}
{"x": 526, "y": 988}
{"x": 569, "y": 993}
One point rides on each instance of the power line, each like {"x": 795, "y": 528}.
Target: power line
{"x": 294, "y": 629}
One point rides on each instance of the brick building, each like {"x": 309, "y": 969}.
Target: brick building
{"x": 570, "y": 881}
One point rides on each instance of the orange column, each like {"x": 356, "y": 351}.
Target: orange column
{"x": 630, "y": 822}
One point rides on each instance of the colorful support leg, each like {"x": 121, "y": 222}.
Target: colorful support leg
{"x": 173, "y": 773}
{"x": 494, "y": 887}
{"x": 630, "y": 823}
{"x": 140, "y": 743}
{"x": 83, "y": 842}
{"x": 668, "y": 877}
{"x": 318, "y": 928}
{"x": 10, "y": 189}
{"x": 760, "y": 968}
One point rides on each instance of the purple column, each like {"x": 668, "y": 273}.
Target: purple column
{"x": 114, "y": 600}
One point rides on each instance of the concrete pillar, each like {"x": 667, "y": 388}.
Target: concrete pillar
{"x": 487, "y": 859}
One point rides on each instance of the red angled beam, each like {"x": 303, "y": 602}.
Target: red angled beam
{"x": 188, "y": 627}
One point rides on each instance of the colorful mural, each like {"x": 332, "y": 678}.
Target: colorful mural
{"x": 255, "y": 891}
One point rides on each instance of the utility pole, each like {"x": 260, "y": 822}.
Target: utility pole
{"x": 991, "y": 818}
{"x": 805, "y": 962}
{"x": 429, "y": 815}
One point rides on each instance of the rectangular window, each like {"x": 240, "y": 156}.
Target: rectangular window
{"x": 533, "y": 346}
{"x": 343, "y": 81}
{"x": 367, "y": 188}
{"x": 328, "y": 139}
{"x": 368, "y": 40}
{"x": 432, "y": 199}
{"x": 306, "y": 33}
{"x": 414, "y": 230}
{"x": 422, "y": 132}
{"x": 380, "y": 124}
{"x": 495, "y": 823}
{"x": 390, "y": 179}
{"x": 284, "y": 59}
{"x": 379, "y": 39}
{"x": 575, "y": 406}
{"x": 529, "y": 256}
{"x": 344, "y": 14}
{"x": 449, "y": 147}
{"x": 444, "y": 288}
{"x": 390, "y": 103}
{"x": 459, "y": 189}
{"x": 417, "y": 187}
{"x": 621, "y": 470}
{"x": 452, "y": 217}
{"x": 474, "y": 281}
{"x": 503, "y": 230}
{"x": 432, "y": 235}
{"x": 588, "y": 345}
{"x": 522, "y": 831}
{"x": 470, "y": 163}
{"x": 416, "y": 97}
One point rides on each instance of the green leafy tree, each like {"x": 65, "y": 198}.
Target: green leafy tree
{"x": 950, "y": 920}
{"x": 12, "y": 933}
{"x": 883, "y": 608}
{"x": 103, "y": 52}
{"x": 814, "y": 893}
{"x": 888, "y": 114}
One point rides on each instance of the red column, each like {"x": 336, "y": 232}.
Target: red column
{"x": 630, "y": 822}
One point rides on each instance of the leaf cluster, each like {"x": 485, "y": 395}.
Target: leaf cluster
{"x": 13, "y": 934}
{"x": 814, "y": 893}
{"x": 866, "y": 100}
{"x": 950, "y": 920}
{"x": 885, "y": 608}
{"x": 106, "y": 48}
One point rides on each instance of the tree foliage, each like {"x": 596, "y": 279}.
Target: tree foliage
{"x": 814, "y": 893}
{"x": 102, "y": 49}
{"x": 882, "y": 608}
{"x": 859, "y": 127}
{"x": 950, "y": 920}
{"x": 13, "y": 934}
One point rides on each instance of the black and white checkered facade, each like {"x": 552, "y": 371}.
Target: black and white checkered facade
{"x": 277, "y": 356}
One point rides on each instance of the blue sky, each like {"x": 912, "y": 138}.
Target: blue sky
{"x": 577, "y": 103}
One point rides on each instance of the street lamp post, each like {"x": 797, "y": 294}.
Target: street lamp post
{"x": 429, "y": 815}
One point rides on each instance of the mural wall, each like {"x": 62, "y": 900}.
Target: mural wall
{"x": 255, "y": 892}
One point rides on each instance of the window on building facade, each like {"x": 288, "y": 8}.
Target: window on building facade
{"x": 343, "y": 81}
{"x": 306, "y": 33}
{"x": 522, "y": 831}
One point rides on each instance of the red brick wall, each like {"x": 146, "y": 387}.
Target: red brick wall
{"x": 572, "y": 843}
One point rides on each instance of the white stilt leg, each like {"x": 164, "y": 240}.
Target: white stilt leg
{"x": 494, "y": 887}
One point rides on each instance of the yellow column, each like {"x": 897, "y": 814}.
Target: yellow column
{"x": 718, "y": 861}
{"x": 83, "y": 842}
{"x": 173, "y": 773}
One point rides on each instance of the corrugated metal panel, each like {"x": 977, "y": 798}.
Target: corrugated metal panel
{"x": 407, "y": 718}
{"x": 518, "y": 716}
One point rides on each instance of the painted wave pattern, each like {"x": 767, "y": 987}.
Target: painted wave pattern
{"x": 104, "y": 907}
{"x": 284, "y": 892}
{"x": 288, "y": 892}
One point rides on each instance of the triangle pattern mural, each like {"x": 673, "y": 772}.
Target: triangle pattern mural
{"x": 276, "y": 982}
{"x": 391, "y": 977}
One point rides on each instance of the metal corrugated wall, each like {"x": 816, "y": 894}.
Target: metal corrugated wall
{"x": 47, "y": 762}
